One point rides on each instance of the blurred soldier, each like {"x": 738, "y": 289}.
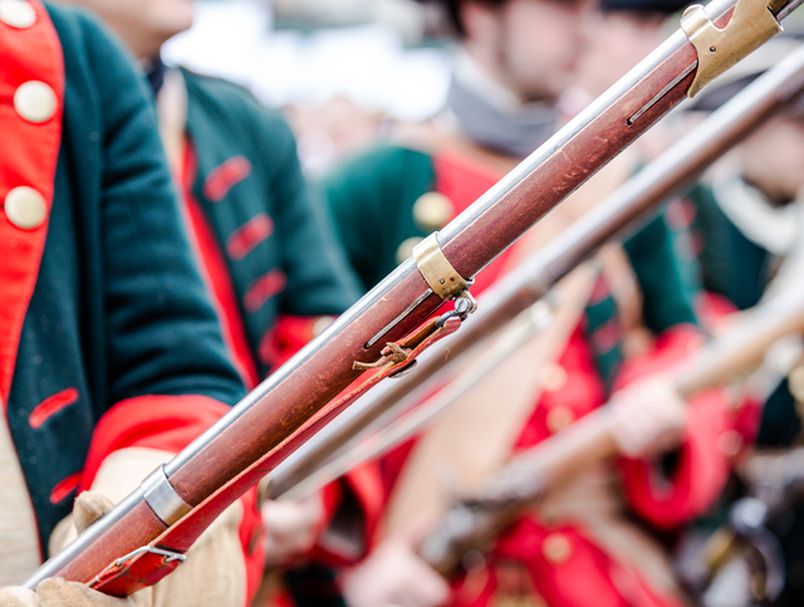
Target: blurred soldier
{"x": 271, "y": 266}
{"x": 112, "y": 358}
{"x": 515, "y": 58}
{"x": 748, "y": 231}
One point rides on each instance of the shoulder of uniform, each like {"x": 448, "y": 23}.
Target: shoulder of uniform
{"x": 231, "y": 103}
{"x": 77, "y": 27}
{"x": 383, "y": 159}
{"x": 220, "y": 89}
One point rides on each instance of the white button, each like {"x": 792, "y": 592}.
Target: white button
{"x": 35, "y": 101}
{"x": 17, "y": 13}
{"x": 405, "y": 249}
{"x": 557, "y": 548}
{"x": 321, "y": 324}
{"x": 25, "y": 208}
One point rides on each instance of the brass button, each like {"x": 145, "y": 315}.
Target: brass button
{"x": 17, "y": 13}
{"x": 432, "y": 211}
{"x": 556, "y": 548}
{"x": 552, "y": 377}
{"x": 558, "y": 418}
{"x": 320, "y": 325}
{"x": 35, "y": 101}
{"x": 405, "y": 250}
{"x": 730, "y": 443}
{"x": 25, "y": 208}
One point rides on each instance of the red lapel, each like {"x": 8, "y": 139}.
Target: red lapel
{"x": 26, "y": 54}
{"x": 463, "y": 179}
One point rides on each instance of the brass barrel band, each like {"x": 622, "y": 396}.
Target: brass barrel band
{"x": 437, "y": 270}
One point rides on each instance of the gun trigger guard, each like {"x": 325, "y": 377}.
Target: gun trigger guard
{"x": 119, "y": 566}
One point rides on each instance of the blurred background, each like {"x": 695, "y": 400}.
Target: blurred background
{"x": 342, "y": 69}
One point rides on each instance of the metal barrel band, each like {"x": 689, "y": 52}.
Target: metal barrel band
{"x": 751, "y": 25}
{"x": 162, "y": 498}
{"x": 436, "y": 269}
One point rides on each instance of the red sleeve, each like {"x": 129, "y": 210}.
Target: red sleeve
{"x": 700, "y": 472}
{"x": 361, "y": 487}
{"x": 703, "y": 461}
{"x": 170, "y": 423}
{"x": 289, "y": 335}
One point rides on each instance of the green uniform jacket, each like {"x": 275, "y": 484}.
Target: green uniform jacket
{"x": 371, "y": 200}
{"x": 118, "y": 331}
{"x": 281, "y": 257}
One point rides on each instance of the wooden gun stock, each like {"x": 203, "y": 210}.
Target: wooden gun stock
{"x": 143, "y": 538}
{"x": 343, "y": 444}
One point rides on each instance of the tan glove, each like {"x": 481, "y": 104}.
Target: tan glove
{"x": 213, "y": 574}
{"x": 57, "y": 592}
{"x": 291, "y": 528}
{"x": 649, "y": 418}
{"x": 393, "y": 576}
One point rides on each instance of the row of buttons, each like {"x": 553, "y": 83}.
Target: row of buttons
{"x": 35, "y": 102}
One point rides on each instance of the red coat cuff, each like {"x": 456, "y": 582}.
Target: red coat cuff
{"x": 702, "y": 465}
{"x": 289, "y": 335}
{"x": 701, "y": 470}
{"x": 170, "y": 423}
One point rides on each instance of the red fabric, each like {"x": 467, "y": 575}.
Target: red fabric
{"x": 249, "y": 235}
{"x": 216, "y": 274}
{"x": 170, "y": 423}
{"x": 365, "y": 485}
{"x": 52, "y": 405}
{"x": 702, "y": 467}
{"x": 289, "y": 335}
{"x": 713, "y": 310}
{"x": 582, "y": 393}
{"x": 263, "y": 289}
{"x": 463, "y": 180}
{"x": 163, "y": 422}
{"x": 65, "y": 488}
{"x": 225, "y": 177}
{"x": 587, "y": 576}
{"x": 29, "y": 159}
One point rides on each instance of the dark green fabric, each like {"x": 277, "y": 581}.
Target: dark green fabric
{"x": 371, "y": 199}
{"x": 731, "y": 265}
{"x": 119, "y": 310}
{"x": 738, "y": 269}
{"x": 225, "y": 122}
{"x": 666, "y": 290}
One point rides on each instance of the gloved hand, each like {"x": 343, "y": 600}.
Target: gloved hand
{"x": 649, "y": 418}
{"x": 292, "y": 528}
{"x": 393, "y": 576}
{"x": 57, "y": 592}
{"x": 212, "y": 576}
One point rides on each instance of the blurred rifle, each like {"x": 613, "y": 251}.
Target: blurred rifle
{"x": 146, "y": 536}
{"x": 473, "y": 522}
{"x": 378, "y": 423}
{"x": 775, "y": 487}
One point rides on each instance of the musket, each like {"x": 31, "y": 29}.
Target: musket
{"x": 775, "y": 485}
{"x": 473, "y": 522}
{"x": 378, "y": 423}
{"x": 145, "y": 537}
